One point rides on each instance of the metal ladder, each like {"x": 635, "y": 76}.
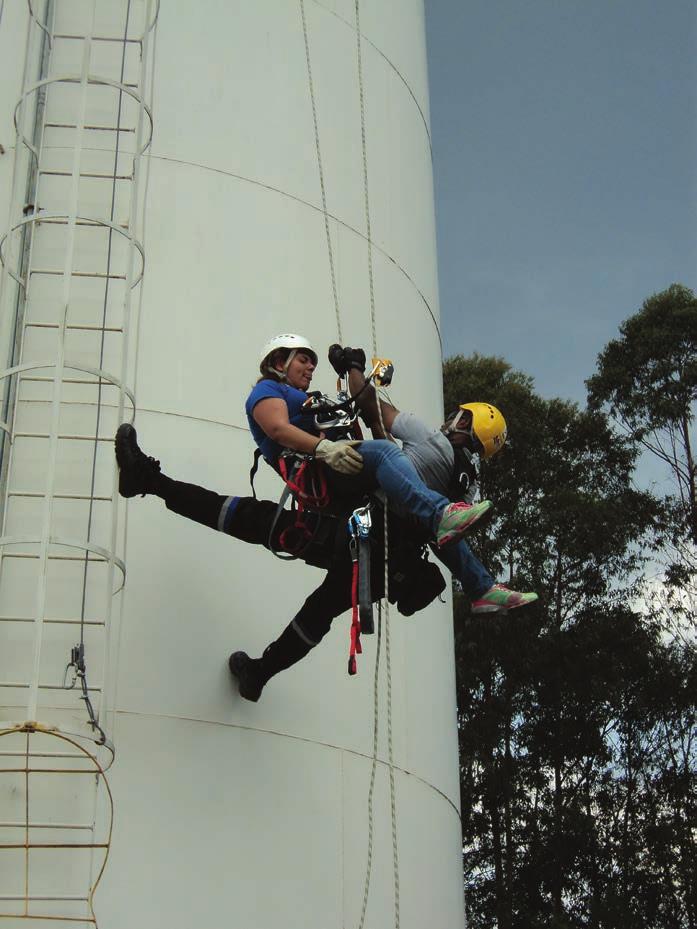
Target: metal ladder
{"x": 71, "y": 266}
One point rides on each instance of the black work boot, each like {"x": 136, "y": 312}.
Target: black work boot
{"x": 254, "y": 673}
{"x": 250, "y": 679}
{"x": 138, "y": 472}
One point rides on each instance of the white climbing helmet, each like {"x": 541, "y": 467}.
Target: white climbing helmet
{"x": 287, "y": 340}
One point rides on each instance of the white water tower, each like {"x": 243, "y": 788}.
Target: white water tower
{"x": 162, "y": 213}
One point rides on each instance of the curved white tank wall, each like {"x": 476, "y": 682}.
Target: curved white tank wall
{"x": 227, "y": 812}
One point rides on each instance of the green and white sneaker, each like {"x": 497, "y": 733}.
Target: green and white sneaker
{"x": 500, "y": 599}
{"x": 457, "y": 518}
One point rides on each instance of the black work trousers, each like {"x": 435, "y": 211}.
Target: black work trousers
{"x": 251, "y": 521}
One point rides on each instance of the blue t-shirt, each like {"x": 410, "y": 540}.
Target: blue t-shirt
{"x": 293, "y": 399}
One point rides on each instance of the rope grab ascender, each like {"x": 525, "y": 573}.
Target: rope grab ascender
{"x": 361, "y": 599}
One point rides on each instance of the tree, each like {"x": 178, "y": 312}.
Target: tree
{"x": 647, "y": 379}
{"x": 570, "y": 736}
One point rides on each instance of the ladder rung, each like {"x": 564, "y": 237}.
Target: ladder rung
{"x": 95, "y": 274}
{"x": 97, "y": 38}
{"x": 91, "y": 128}
{"x": 46, "y": 771}
{"x": 79, "y": 222}
{"x": 21, "y": 824}
{"x": 22, "y": 686}
{"x": 33, "y": 754}
{"x": 28, "y": 555}
{"x": 64, "y": 435}
{"x": 64, "y": 898}
{"x": 40, "y": 495}
{"x": 104, "y": 177}
{"x": 33, "y": 845}
{"x": 53, "y": 622}
{"x": 68, "y": 380}
{"x": 83, "y": 328}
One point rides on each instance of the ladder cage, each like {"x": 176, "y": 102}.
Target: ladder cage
{"x": 71, "y": 266}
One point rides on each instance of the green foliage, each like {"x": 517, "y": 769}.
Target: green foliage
{"x": 576, "y": 718}
{"x": 647, "y": 379}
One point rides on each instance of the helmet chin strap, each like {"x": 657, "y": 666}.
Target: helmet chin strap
{"x": 291, "y": 356}
{"x": 469, "y": 433}
{"x": 453, "y": 425}
{"x": 283, "y": 375}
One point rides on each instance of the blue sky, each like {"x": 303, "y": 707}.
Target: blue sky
{"x": 565, "y": 165}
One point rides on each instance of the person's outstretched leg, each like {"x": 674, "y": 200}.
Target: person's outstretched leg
{"x": 307, "y": 629}
{"x": 140, "y": 474}
{"x": 252, "y": 674}
{"x": 466, "y": 568}
{"x": 244, "y": 518}
{"x": 398, "y": 477}
{"x": 477, "y": 583}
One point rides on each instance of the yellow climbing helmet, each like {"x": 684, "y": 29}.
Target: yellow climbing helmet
{"x": 488, "y": 426}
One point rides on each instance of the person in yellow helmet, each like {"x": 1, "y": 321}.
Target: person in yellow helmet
{"x": 447, "y": 460}
{"x": 483, "y": 423}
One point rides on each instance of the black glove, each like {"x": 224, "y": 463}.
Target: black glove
{"x": 337, "y": 359}
{"x": 345, "y": 359}
{"x": 355, "y": 358}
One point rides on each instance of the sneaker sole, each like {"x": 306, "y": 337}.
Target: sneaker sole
{"x": 480, "y": 610}
{"x": 500, "y": 608}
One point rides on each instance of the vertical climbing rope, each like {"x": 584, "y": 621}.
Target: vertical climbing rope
{"x": 366, "y": 192}
{"x": 388, "y": 665}
{"x": 373, "y": 770}
{"x": 330, "y": 250}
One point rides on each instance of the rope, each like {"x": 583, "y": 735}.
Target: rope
{"x": 330, "y": 251}
{"x": 366, "y": 195}
{"x": 373, "y": 769}
{"x": 388, "y": 665}
{"x": 364, "y": 150}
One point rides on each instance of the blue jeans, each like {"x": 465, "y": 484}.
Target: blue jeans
{"x": 469, "y": 571}
{"x": 385, "y": 466}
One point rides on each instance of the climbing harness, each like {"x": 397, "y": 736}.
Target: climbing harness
{"x": 306, "y": 485}
{"x": 465, "y": 475}
{"x": 304, "y": 479}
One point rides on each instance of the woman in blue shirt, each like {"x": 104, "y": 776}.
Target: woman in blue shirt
{"x": 278, "y": 420}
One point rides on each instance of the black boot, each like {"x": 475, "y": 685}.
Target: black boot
{"x": 250, "y": 679}
{"x": 253, "y": 674}
{"x": 138, "y": 472}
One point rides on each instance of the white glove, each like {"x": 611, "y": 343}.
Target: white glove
{"x": 340, "y": 456}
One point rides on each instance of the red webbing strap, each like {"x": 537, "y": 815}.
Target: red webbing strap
{"x": 355, "y": 646}
{"x": 309, "y": 488}
{"x": 316, "y": 494}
